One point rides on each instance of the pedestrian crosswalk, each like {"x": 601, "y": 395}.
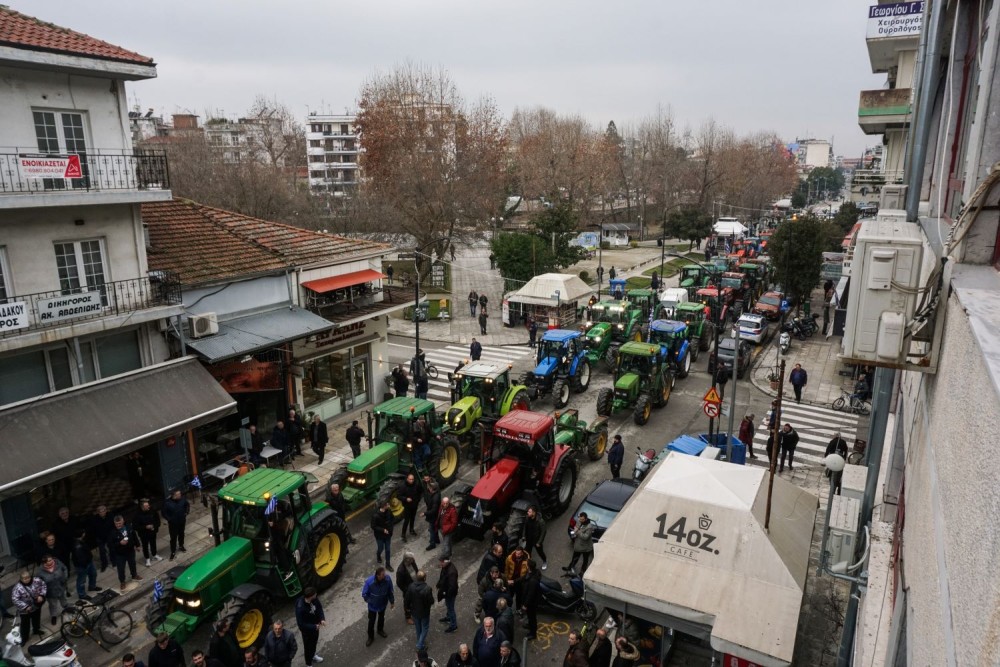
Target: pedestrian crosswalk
{"x": 448, "y": 357}
{"x": 816, "y": 426}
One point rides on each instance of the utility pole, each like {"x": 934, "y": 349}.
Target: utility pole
{"x": 732, "y": 394}
{"x": 773, "y": 451}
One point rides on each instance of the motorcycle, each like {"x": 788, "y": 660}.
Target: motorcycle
{"x": 810, "y": 324}
{"x": 555, "y": 598}
{"x": 52, "y": 653}
{"x": 784, "y": 342}
{"x": 794, "y": 327}
{"x": 643, "y": 462}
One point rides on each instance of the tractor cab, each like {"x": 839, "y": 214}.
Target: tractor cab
{"x": 693, "y": 278}
{"x": 644, "y": 299}
{"x": 717, "y": 300}
{"x": 483, "y": 389}
{"x": 617, "y": 288}
{"x": 672, "y": 337}
{"x": 558, "y": 346}
{"x": 642, "y": 382}
{"x": 562, "y": 366}
{"x": 609, "y": 311}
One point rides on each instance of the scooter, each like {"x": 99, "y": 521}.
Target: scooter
{"x": 554, "y": 598}
{"x": 784, "y": 342}
{"x": 643, "y": 462}
{"x": 52, "y": 653}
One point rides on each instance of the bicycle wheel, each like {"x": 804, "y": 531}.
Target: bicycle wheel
{"x": 864, "y": 408}
{"x": 854, "y": 458}
{"x": 115, "y": 626}
{"x": 839, "y": 403}
{"x": 74, "y": 627}
{"x": 432, "y": 371}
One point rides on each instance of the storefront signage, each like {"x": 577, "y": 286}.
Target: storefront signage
{"x": 687, "y": 544}
{"x": 49, "y": 166}
{"x": 69, "y": 306}
{"x": 13, "y": 315}
{"x": 899, "y": 19}
{"x": 733, "y": 661}
{"x": 437, "y": 275}
{"x": 238, "y": 377}
{"x": 339, "y": 335}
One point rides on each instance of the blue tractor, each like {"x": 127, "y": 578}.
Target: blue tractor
{"x": 562, "y": 366}
{"x": 672, "y": 337}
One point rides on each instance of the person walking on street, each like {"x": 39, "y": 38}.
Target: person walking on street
{"x": 422, "y": 386}
{"x": 223, "y": 646}
{"x": 787, "y": 441}
{"x": 319, "y": 437}
{"x": 447, "y": 590}
{"x": 296, "y": 431}
{"x": 483, "y": 317}
{"x": 389, "y": 270}
{"x": 531, "y": 596}
{"x": 447, "y": 523}
{"x": 419, "y": 599}
{"x": 280, "y": 646}
{"x": 83, "y": 563}
{"x": 654, "y": 282}
{"x": 101, "y": 527}
{"x": 475, "y": 350}
{"x": 583, "y": 544}
{"x": 64, "y": 528}
{"x": 799, "y": 378}
{"x": 175, "y": 511}
{"x": 838, "y": 446}
{"x": 534, "y": 534}
{"x": 124, "y": 543}
{"x": 722, "y": 374}
{"x": 747, "y": 430}
{"x": 167, "y": 652}
{"x": 486, "y": 645}
{"x": 493, "y": 261}
{"x": 400, "y": 382}
{"x": 616, "y": 456}
{"x": 406, "y": 574}
{"x": 354, "y": 436}
{"x": 576, "y": 654}
{"x": 382, "y": 524}
{"x": 601, "y": 655}
{"x": 411, "y": 494}
{"x": 310, "y": 617}
{"x": 612, "y": 274}
{"x": 147, "y": 523}
{"x": 483, "y": 301}
{"x": 53, "y": 572}
{"x": 532, "y": 333}
{"x": 473, "y": 302}
{"x": 377, "y": 593}
{"x": 432, "y": 503}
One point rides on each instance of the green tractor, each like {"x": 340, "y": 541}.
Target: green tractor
{"x": 647, "y": 301}
{"x": 701, "y": 331}
{"x": 693, "y": 278}
{"x": 608, "y": 325}
{"x": 390, "y": 456}
{"x": 643, "y": 381}
{"x": 244, "y": 575}
{"x": 482, "y": 392}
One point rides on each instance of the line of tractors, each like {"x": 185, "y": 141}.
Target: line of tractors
{"x": 272, "y": 540}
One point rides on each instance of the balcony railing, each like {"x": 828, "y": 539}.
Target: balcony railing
{"x": 30, "y": 172}
{"x": 50, "y": 309}
{"x": 876, "y": 177}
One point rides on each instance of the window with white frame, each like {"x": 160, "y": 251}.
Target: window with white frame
{"x": 81, "y": 266}
{"x": 63, "y": 132}
{"x": 5, "y": 286}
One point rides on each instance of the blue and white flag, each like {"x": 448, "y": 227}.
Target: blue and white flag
{"x": 157, "y": 590}
{"x": 477, "y": 514}
{"x": 196, "y": 483}
{"x": 272, "y": 506}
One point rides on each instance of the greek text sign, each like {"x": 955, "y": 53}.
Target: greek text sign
{"x": 13, "y": 315}
{"x": 899, "y": 19}
{"x": 50, "y": 166}
{"x": 69, "y": 306}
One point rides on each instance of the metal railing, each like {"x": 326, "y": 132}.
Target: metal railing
{"x": 876, "y": 176}
{"x": 29, "y": 172}
{"x": 49, "y": 309}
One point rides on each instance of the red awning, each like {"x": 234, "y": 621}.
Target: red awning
{"x": 344, "y": 280}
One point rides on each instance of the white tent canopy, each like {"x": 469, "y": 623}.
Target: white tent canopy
{"x": 689, "y": 551}
{"x": 541, "y": 290}
{"x": 729, "y": 227}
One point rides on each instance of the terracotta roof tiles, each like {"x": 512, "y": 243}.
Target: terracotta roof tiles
{"x": 26, "y": 32}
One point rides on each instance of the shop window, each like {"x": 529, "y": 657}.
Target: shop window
{"x": 62, "y": 374}
{"x": 4, "y": 276}
{"x": 118, "y": 353}
{"x": 22, "y": 377}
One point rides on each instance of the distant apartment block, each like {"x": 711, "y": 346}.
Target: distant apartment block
{"x": 333, "y": 153}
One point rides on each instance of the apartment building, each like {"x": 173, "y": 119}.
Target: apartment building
{"x": 333, "y": 151}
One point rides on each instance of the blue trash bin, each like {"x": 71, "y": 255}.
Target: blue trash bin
{"x": 719, "y": 440}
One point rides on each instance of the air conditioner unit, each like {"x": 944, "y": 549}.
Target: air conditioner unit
{"x": 203, "y": 325}
{"x": 844, "y": 518}
{"x": 892, "y": 197}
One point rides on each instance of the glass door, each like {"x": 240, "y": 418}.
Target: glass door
{"x": 359, "y": 380}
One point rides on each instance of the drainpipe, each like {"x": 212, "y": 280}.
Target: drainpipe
{"x": 930, "y": 76}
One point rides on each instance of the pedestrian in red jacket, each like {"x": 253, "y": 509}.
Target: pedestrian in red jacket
{"x": 447, "y": 523}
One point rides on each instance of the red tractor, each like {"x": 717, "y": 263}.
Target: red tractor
{"x": 525, "y": 463}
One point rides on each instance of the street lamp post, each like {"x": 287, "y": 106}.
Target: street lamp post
{"x": 600, "y": 258}
{"x": 418, "y": 367}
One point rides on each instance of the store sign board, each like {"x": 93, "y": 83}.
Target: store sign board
{"x": 238, "y": 377}
{"x": 68, "y": 306}
{"x": 13, "y": 315}
{"x": 899, "y": 19}
{"x": 338, "y": 335}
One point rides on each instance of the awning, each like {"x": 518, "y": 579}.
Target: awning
{"x": 76, "y": 429}
{"x": 321, "y": 285}
{"x": 701, "y": 522}
{"x": 252, "y": 333}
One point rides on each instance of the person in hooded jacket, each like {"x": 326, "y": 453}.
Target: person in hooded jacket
{"x": 406, "y": 574}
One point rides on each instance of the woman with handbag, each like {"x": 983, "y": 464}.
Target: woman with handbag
{"x": 28, "y": 596}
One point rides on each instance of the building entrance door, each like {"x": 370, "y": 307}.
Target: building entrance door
{"x": 359, "y": 380}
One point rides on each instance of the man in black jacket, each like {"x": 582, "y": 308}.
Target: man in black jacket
{"x": 432, "y": 501}
{"x": 175, "y": 511}
{"x": 147, "y": 524}
{"x": 99, "y": 533}
{"x": 419, "y": 599}
{"x": 223, "y": 646}
{"x": 165, "y": 653}
{"x": 296, "y": 431}
{"x": 280, "y": 645}
{"x": 310, "y": 617}
{"x": 123, "y": 545}
{"x": 354, "y": 436}
{"x": 788, "y": 439}
{"x": 410, "y": 494}
{"x": 83, "y": 562}
{"x": 279, "y": 440}
{"x": 534, "y": 534}
{"x": 529, "y": 597}
{"x": 601, "y": 655}
{"x": 447, "y": 590}
{"x": 382, "y": 524}
{"x": 318, "y": 437}
{"x": 338, "y": 503}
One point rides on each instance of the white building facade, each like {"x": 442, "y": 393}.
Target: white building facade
{"x": 333, "y": 153}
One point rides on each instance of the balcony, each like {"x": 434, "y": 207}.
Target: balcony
{"x": 884, "y": 109}
{"x": 110, "y": 306}
{"x": 29, "y": 179}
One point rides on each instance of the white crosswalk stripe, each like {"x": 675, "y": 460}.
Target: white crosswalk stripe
{"x": 448, "y": 357}
{"x": 816, "y": 426}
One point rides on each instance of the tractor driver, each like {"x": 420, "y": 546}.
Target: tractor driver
{"x": 421, "y": 444}
{"x": 280, "y": 527}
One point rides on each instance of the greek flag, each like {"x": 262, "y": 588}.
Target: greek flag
{"x": 196, "y": 483}
{"x": 157, "y": 590}
{"x": 272, "y": 506}
{"x": 477, "y": 514}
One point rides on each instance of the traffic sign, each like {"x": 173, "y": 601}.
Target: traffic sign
{"x": 711, "y": 396}
{"x": 711, "y": 409}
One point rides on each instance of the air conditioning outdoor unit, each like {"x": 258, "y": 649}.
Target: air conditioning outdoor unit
{"x": 843, "y": 529}
{"x": 203, "y": 325}
{"x": 892, "y": 197}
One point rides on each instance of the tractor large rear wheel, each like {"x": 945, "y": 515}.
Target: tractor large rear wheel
{"x": 249, "y": 619}
{"x": 581, "y": 380}
{"x": 515, "y": 526}
{"x": 390, "y": 492}
{"x": 459, "y": 498}
{"x": 556, "y": 497}
{"x": 445, "y": 460}
{"x": 642, "y": 410}
{"x": 694, "y": 350}
{"x": 611, "y": 358}
{"x": 605, "y": 402}
{"x": 645, "y": 332}
{"x": 560, "y": 394}
{"x": 520, "y": 401}
{"x": 597, "y": 442}
{"x": 707, "y": 334}
{"x": 328, "y": 546}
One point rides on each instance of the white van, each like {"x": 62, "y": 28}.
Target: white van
{"x": 669, "y": 298}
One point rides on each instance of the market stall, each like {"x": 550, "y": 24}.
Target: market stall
{"x": 689, "y": 552}
{"x": 552, "y": 299}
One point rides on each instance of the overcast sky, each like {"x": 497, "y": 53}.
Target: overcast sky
{"x": 794, "y": 67}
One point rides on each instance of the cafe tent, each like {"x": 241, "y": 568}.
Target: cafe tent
{"x": 541, "y": 290}
{"x": 689, "y": 551}
{"x": 729, "y": 228}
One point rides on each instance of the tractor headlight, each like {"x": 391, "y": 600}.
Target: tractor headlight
{"x": 597, "y": 339}
{"x": 621, "y": 326}
{"x": 194, "y": 603}
{"x": 589, "y": 324}
{"x": 564, "y": 360}
{"x": 267, "y": 545}
{"x": 458, "y": 420}
{"x": 409, "y": 446}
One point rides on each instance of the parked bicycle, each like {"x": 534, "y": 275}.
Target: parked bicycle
{"x": 849, "y": 402}
{"x": 97, "y": 621}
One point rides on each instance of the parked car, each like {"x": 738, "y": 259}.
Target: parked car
{"x": 604, "y": 503}
{"x": 771, "y": 305}
{"x": 752, "y": 327}
{"x": 726, "y": 351}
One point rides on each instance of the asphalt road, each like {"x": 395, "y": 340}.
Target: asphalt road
{"x": 342, "y": 642}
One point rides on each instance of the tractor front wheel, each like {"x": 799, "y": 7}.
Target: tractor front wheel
{"x": 611, "y": 358}
{"x": 515, "y": 527}
{"x": 582, "y": 378}
{"x": 597, "y": 442}
{"x": 249, "y": 619}
{"x": 642, "y": 410}
{"x": 685, "y": 366}
{"x": 560, "y": 394}
{"x": 605, "y": 402}
{"x": 445, "y": 462}
{"x": 556, "y": 497}
{"x": 694, "y": 351}
{"x": 328, "y": 546}
{"x": 520, "y": 401}
{"x": 157, "y": 612}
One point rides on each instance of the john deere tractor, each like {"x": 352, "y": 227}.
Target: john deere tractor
{"x": 391, "y": 456}
{"x": 562, "y": 366}
{"x": 482, "y": 392}
{"x": 643, "y": 381}
{"x": 700, "y": 330}
{"x": 693, "y": 278}
{"x": 609, "y": 324}
{"x": 672, "y": 337}
{"x": 532, "y": 459}
{"x": 251, "y": 568}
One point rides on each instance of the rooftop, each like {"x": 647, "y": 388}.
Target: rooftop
{"x": 20, "y": 31}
